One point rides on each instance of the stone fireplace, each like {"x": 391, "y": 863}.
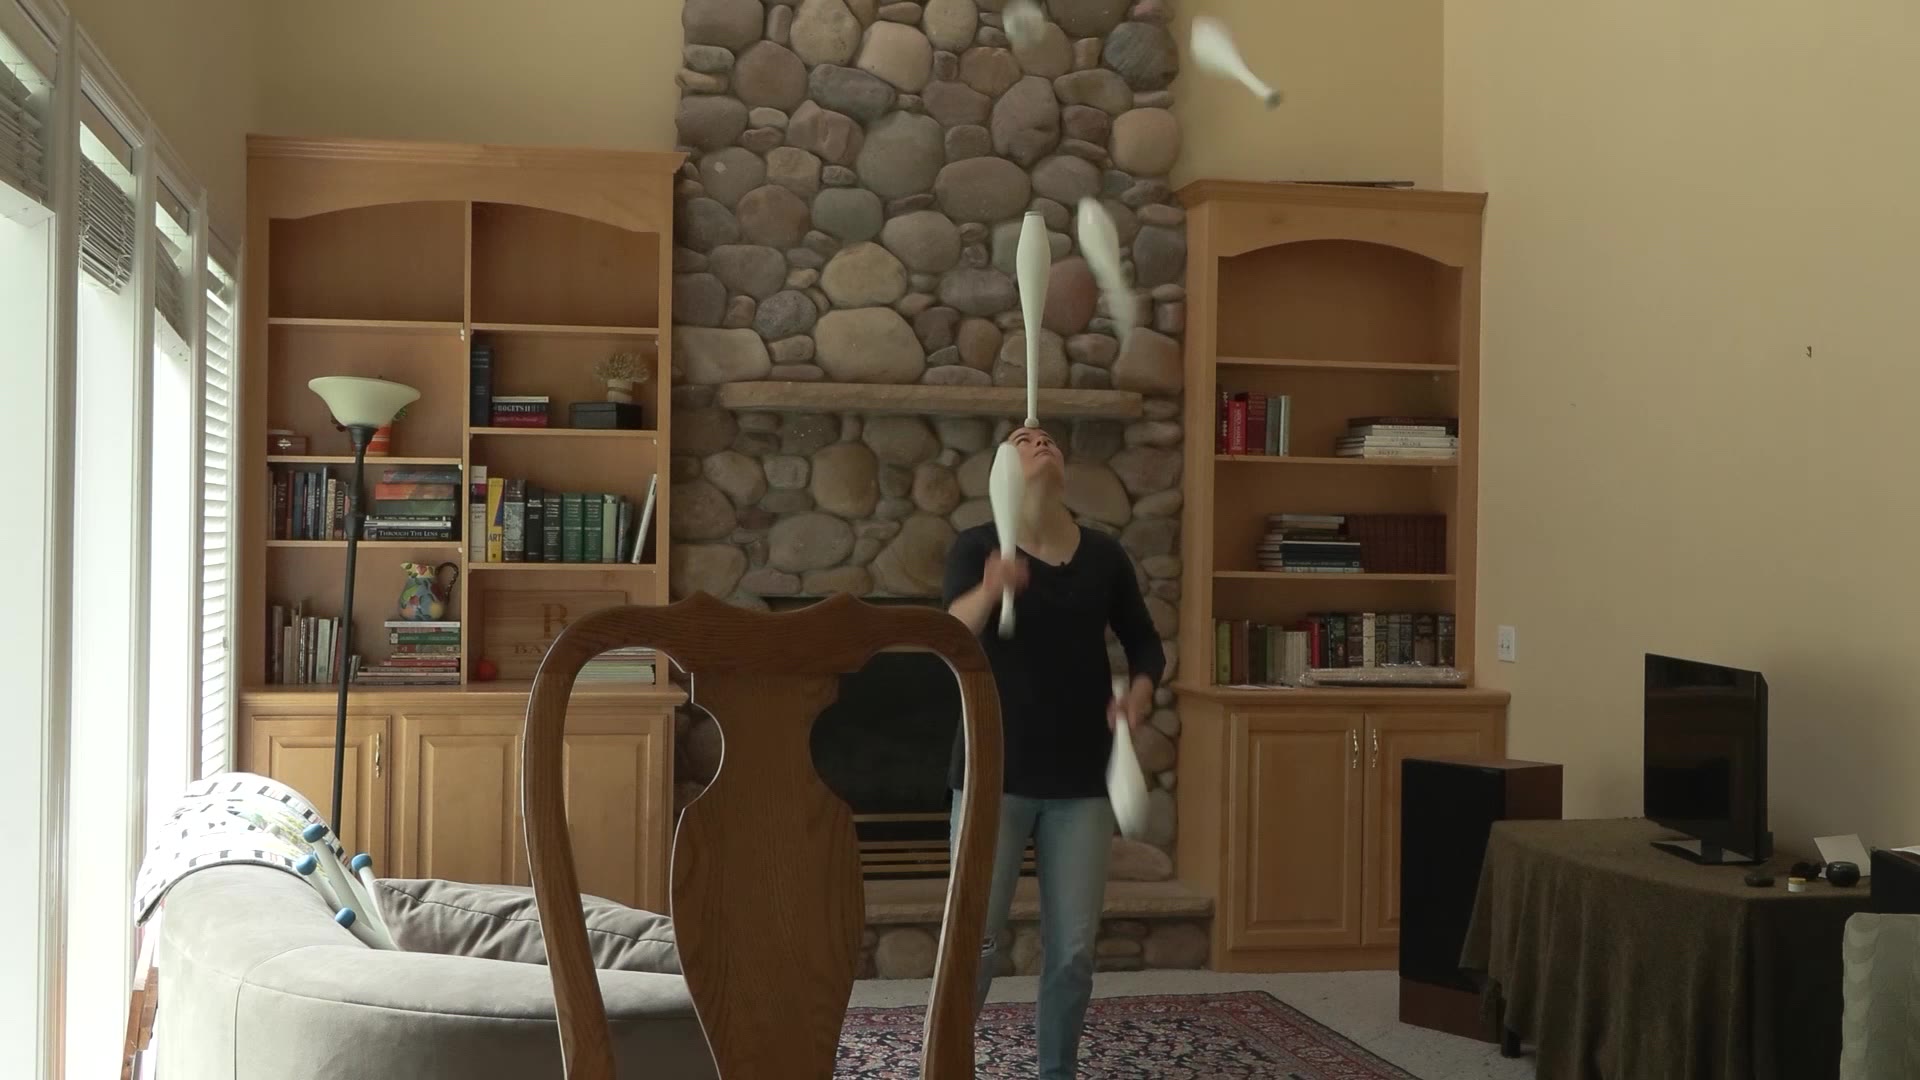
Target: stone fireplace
{"x": 847, "y": 328}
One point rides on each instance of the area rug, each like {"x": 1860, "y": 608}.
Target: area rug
{"x": 1188, "y": 1037}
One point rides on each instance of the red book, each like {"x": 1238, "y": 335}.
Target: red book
{"x": 1256, "y": 424}
{"x": 520, "y": 420}
{"x": 1237, "y": 425}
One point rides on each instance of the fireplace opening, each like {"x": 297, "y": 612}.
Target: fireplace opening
{"x": 884, "y": 747}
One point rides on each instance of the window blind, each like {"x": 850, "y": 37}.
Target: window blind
{"x": 215, "y": 495}
{"x": 106, "y": 228}
{"x": 23, "y": 158}
{"x": 172, "y": 227}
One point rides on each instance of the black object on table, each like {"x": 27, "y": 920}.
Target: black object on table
{"x": 1614, "y": 959}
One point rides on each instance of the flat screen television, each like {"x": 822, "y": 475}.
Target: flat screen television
{"x": 1706, "y": 759}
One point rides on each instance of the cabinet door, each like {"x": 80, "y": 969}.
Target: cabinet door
{"x": 619, "y": 795}
{"x": 457, "y": 798}
{"x": 1294, "y": 830}
{"x": 1393, "y": 737}
{"x": 297, "y": 750}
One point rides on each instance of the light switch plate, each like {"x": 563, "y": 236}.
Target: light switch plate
{"x": 1505, "y": 644}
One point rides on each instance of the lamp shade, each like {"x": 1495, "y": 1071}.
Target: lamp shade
{"x": 358, "y": 402}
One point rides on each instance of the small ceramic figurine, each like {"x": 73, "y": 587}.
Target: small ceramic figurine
{"x": 424, "y": 598}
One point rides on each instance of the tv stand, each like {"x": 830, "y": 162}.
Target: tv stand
{"x": 1706, "y": 852}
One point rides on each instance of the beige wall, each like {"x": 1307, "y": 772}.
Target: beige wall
{"x": 191, "y": 64}
{"x": 1361, "y": 80}
{"x": 579, "y": 72}
{"x": 1683, "y": 203}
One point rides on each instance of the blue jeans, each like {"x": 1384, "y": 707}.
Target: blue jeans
{"x": 1071, "y": 839}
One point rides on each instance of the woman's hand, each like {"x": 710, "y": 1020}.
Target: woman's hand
{"x": 1135, "y": 705}
{"x": 999, "y": 575}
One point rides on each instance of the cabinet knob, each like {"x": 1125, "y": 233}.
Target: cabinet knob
{"x": 1374, "y": 763}
{"x": 376, "y": 754}
{"x": 1353, "y": 759}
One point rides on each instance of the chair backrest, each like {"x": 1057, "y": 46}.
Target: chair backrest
{"x": 768, "y": 905}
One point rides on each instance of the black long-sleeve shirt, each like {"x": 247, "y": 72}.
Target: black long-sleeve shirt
{"x": 1053, "y": 676}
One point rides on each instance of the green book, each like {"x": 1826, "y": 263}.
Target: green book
{"x": 550, "y": 549}
{"x": 572, "y": 516}
{"x": 591, "y": 528}
{"x": 610, "y": 529}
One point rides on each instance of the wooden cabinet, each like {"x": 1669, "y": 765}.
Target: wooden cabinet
{"x": 1298, "y": 842}
{"x": 457, "y": 799}
{"x": 1289, "y": 814}
{"x": 297, "y": 750}
{"x": 434, "y": 780}
{"x": 1392, "y": 737}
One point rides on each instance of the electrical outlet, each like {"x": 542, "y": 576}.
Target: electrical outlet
{"x": 1504, "y": 643}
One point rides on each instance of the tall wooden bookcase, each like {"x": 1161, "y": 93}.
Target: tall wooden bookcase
{"x": 1353, "y": 302}
{"x": 393, "y": 259}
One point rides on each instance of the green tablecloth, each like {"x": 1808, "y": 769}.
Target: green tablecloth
{"x": 1619, "y": 961}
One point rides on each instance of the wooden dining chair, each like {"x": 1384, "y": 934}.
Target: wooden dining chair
{"x": 767, "y": 901}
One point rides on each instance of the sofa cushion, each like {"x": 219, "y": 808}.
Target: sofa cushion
{"x": 502, "y": 922}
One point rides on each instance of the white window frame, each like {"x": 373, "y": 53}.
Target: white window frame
{"x": 48, "y": 33}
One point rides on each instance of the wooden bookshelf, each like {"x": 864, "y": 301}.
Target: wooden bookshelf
{"x": 397, "y": 259}
{"x": 1352, "y": 302}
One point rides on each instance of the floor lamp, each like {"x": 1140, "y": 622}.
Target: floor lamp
{"x": 362, "y": 406}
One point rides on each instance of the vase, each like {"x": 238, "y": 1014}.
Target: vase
{"x": 620, "y": 390}
{"x": 382, "y": 442}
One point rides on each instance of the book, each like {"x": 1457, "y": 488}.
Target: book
{"x": 480, "y": 379}
{"x": 477, "y": 514}
{"x": 496, "y": 519}
{"x": 551, "y": 549}
{"x": 513, "y": 520}
{"x": 535, "y": 524}
{"x": 643, "y": 530}
{"x": 572, "y": 519}
{"x": 593, "y": 514}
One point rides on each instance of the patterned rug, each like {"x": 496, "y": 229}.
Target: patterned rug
{"x": 1190, "y": 1037}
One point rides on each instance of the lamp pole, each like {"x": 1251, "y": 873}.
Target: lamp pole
{"x": 362, "y": 435}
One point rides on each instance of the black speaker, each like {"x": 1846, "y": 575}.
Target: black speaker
{"x": 1447, "y": 808}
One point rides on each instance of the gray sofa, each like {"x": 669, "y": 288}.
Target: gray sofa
{"x": 257, "y": 982}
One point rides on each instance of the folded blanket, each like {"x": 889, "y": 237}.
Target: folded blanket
{"x": 234, "y": 817}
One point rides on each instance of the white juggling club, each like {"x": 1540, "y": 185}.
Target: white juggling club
{"x": 1006, "y": 491}
{"x": 1214, "y": 50}
{"x": 1024, "y": 24}
{"x": 1100, "y": 246}
{"x": 1126, "y": 784}
{"x": 1033, "y": 259}
{"x": 362, "y": 867}
{"x": 309, "y": 867}
{"x": 344, "y": 884}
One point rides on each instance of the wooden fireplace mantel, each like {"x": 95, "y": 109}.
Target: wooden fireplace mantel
{"x": 921, "y": 400}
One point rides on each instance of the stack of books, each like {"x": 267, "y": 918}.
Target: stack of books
{"x": 1253, "y": 423}
{"x": 634, "y": 664}
{"x": 524, "y": 522}
{"x": 424, "y": 654}
{"x": 1308, "y": 544}
{"x": 309, "y": 504}
{"x": 1400, "y": 437}
{"x": 414, "y": 502}
{"x": 301, "y": 648}
{"x": 523, "y": 410}
{"x": 1247, "y": 653}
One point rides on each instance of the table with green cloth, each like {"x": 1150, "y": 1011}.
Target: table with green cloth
{"x": 1616, "y": 960}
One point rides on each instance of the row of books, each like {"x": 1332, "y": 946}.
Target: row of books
{"x": 1400, "y": 437}
{"x": 524, "y": 522}
{"x": 1253, "y": 423}
{"x": 633, "y": 664}
{"x": 424, "y": 653}
{"x": 404, "y": 502}
{"x": 1354, "y": 543}
{"x": 302, "y": 649}
{"x": 1248, "y": 653}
